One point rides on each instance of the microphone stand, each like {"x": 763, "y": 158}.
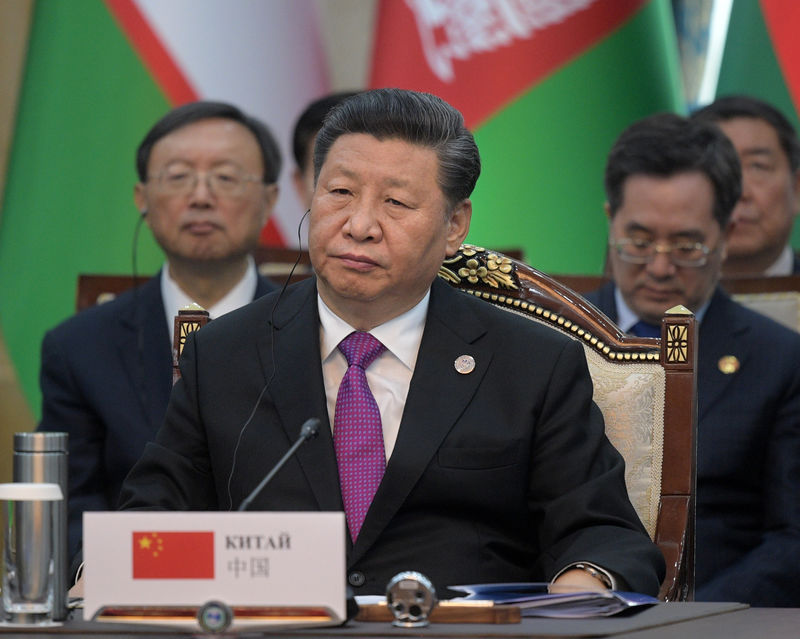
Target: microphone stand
{"x": 308, "y": 431}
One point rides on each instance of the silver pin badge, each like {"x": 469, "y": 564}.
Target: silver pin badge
{"x": 464, "y": 364}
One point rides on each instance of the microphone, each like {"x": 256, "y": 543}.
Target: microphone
{"x": 308, "y": 431}
{"x": 271, "y": 377}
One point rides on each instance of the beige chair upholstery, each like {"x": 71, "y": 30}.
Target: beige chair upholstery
{"x": 783, "y": 306}
{"x": 644, "y": 387}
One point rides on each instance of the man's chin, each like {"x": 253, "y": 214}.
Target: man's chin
{"x": 653, "y": 311}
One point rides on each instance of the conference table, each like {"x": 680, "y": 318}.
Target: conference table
{"x": 668, "y": 620}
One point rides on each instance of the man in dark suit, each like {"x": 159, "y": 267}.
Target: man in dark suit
{"x": 769, "y": 152}
{"x": 671, "y": 186}
{"x": 489, "y": 462}
{"x": 207, "y": 184}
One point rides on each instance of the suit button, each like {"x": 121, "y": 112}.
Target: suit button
{"x": 356, "y": 579}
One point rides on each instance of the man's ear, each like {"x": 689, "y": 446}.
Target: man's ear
{"x": 796, "y": 191}
{"x": 139, "y": 198}
{"x": 607, "y": 209}
{"x": 458, "y": 225}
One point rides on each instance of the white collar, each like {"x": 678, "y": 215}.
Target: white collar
{"x": 400, "y": 335}
{"x": 175, "y": 298}
{"x": 626, "y": 318}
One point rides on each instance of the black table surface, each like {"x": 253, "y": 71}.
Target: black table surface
{"x": 704, "y": 620}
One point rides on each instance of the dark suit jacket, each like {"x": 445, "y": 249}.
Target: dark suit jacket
{"x": 503, "y": 474}
{"x": 748, "y": 455}
{"x": 106, "y": 377}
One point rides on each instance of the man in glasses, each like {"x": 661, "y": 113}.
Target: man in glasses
{"x": 207, "y": 183}
{"x": 671, "y": 186}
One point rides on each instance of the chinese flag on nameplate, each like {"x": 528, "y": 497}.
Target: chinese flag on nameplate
{"x": 173, "y": 555}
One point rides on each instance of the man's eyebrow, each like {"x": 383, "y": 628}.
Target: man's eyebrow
{"x": 694, "y": 234}
{"x": 758, "y": 150}
{"x": 399, "y": 182}
{"x": 635, "y": 226}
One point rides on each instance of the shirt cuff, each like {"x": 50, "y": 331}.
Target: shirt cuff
{"x": 601, "y": 574}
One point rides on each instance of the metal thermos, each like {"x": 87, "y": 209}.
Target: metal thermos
{"x": 42, "y": 457}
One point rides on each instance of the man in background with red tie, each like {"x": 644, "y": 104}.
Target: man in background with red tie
{"x": 460, "y": 440}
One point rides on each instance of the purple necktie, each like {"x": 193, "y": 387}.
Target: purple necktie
{"x": 357, "y": 432}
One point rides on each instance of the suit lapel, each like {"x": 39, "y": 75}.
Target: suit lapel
{"x": 297, "y": 389}
{"x": 142, "y": 344}
{"x": 721, "y": 335}
{"x": 437, "y": 396}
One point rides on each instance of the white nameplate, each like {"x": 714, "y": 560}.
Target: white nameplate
{"x": 267, "y": 567}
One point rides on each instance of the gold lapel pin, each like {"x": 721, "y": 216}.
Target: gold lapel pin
{"x": 728, "y": 364}
{"x": 464, "y": 364}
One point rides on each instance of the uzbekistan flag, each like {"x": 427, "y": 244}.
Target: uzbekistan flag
{"x": 97, "y": 75}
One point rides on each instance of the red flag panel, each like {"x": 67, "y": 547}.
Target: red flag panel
{"x": 782, "y": 18}
{"x": 478, "y": 56}
{"x": 173, "y": 555}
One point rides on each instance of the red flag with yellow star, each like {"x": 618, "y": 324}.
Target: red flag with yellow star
{"x": 173, "y": 555}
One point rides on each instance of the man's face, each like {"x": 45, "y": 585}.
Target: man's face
{"x": 201, "y": 220}
{"x": 671, "y": 210}
{"x": 765, "y": 213}
{"x": 379, "y": 227}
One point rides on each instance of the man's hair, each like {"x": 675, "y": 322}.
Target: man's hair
{"x": 310, "y": 122}
{"x": 205, "y": 110}
{"x": 665, "y": 145}
{"x": 417, "y": 118}
{"x": 745, "y": 106}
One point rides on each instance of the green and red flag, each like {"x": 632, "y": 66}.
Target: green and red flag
{"x": 98, "y": 74}
{"x": 762, "y": 58}
{"x": 546, "y": 86}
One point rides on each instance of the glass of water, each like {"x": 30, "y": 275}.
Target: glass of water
{"x": 28, "y": 551}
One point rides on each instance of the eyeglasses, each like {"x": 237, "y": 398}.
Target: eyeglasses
{"x": 227, "y": 182}
{"x": 641, "y": 251}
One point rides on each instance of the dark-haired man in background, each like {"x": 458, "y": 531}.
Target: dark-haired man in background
{"x": 305, "y": 133}
{"x": 460, "y": 440}
{"x": 769, "y": 153}
{"x": 207, "y": 183}
{"x": 671, "y": 185}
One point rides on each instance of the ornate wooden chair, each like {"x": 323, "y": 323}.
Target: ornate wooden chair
{"x": 187, "y": 321}
{"x": 645, "y": 388}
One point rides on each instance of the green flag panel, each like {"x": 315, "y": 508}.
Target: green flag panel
{"x": 541, "y": 189}
{"x": 86, "y": 102}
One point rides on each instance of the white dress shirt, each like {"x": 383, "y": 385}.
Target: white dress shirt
{"x": 626, "y": 318}
{"x": 389, "y": 376}
{"x": 175, "y": 298}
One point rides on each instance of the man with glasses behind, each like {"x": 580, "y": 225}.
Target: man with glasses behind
{"x": 671, "y": 186}
{"x": 207, "y": 183}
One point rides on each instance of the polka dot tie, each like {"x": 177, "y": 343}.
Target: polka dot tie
{"x": 357, "y": 432}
